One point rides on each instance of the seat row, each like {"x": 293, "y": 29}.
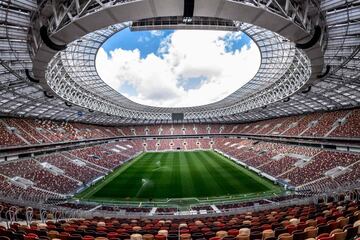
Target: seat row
{"x": 334, "y": 220}
{"x": 19, "y": 131}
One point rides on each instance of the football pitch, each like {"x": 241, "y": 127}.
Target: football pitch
{"x": 178, "y": 175}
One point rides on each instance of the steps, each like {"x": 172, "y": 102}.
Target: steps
{"x": 336, "y": 124}
{"x": 153, "y": 211}
{"x": 215, "y": 208}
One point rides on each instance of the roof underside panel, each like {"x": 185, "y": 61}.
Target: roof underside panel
{"x": 19, "y": 96}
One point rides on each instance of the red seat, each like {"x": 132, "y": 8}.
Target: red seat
{"x": 233, "y": 232}
{"x": 64, "y": 235}
{"x": 31, "y": 236}
{"x": 215, "y": 238}
{"x": 326, "y": 238}
{"x": 87, "y": 237}
{"x": 184, "y": 230}
{"x": 160, "y": 237}
{"x": 112, "y": 235}
{"x": 291, "y": 228}
{"x": 266, "y": 226}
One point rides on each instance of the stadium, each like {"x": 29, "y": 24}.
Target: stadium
{"x": 179, "y": 119}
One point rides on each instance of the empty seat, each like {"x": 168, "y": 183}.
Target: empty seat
{"x": 299, "y": 235}
{"x": 255, "y": 235}
{"x": 285, "y": 236}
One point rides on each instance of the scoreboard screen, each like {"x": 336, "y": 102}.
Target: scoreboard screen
{"x": 177, "y": 116}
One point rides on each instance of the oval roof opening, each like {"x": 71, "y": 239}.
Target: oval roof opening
{"x": 177, "y": 68}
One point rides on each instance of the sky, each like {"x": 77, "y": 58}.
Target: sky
{"x": 177, "y": 68}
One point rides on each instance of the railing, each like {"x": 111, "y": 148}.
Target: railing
{"x": 56, "y": 213}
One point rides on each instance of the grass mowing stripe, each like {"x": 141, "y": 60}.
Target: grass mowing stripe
{"x": 130, "y": 183}
{"x": 216, "y": 183}
{"x": 156, "y": 170}
{"x": 216, "y": 172}
{"x": 251, "y": 174}
{"x": 178, "y": 174}
{"x": 175, "y": 177}
{"x": 247, "y": 184}
{"x": 187, "y": 187}
{"x": 92, "y": 190}
{"x": 202, "y": 178}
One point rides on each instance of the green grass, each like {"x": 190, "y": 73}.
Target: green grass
{"x": 163, "y": 175}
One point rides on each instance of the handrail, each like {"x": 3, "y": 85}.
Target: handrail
{"x": 70, "y": 213}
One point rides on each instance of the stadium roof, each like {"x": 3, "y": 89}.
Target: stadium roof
{"x": 310, "y": 57}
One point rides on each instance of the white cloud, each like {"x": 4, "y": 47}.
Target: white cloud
{"x": 143, "y": 39}
{"x": 156, "y": 33}
{"x": 184, "y": 54}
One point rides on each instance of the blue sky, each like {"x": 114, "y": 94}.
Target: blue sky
{"x": 149, "y": 41}
{"x": 172, "y": 68}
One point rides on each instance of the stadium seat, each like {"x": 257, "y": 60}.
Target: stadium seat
{"x": 342, "y": 221}
{"x": 148, "y": 236}
{"x": 325, "y": 238}
{"x": 301, "y": 226}
{"x": 135, "y": 236}
{"x": 285, "y": 236}
{"x": 163, "y": 232}
{"x": 243, "y": 237}
{"x": 221, "y": 234}
{"x": 290, "y": 228}
{"x": 87, "y": 237}
{"x": 245, "y": 231}
{"x": 75, "y": 237}
{"x": 299, "y": 235}
{"x": 280, "y": 230}
{"x": 339, "y": 235}
{"x": 228, "y": 238}
{"x": 270, "y": 238}
{"x": 209, "y": 235}
{"x": 311, "y": 232}
{"x": 160, "y": 237}
{"x": 215, "y": 238}
{"x": 323, "y": 228}
{"x": 311, "y": 222}
{"x": 268, "y": 233}
{"x": 31, "y": 236}
{"x": 196, "y": 235}
{"x": 233, "y": 232}
{"x": 256, "y": 235}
